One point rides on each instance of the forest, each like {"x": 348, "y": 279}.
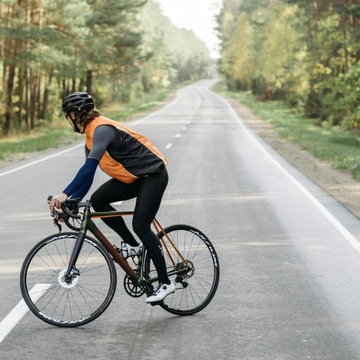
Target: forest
{"x": 303, "y": 52}
{"x": 117, "y": 50}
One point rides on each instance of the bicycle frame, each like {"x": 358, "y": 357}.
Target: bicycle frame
{"x": 88, "y": 224}
{"x": 69, "y": 279}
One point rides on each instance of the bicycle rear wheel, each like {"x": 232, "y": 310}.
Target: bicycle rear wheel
{"x": 195, "y": 288}
{"x": 78, "y": 300}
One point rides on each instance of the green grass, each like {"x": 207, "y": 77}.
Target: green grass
{"x": 122, "y": 113}
{"x": 335, "y": 145}
{"x": 17, "y": 147}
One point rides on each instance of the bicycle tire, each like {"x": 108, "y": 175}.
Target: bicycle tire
{"x": 61, "y": 303}
{"x": 196, "y": 288}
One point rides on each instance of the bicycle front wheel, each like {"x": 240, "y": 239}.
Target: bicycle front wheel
{"x": 67, "y": 302}
{"x": 197, "y": 286}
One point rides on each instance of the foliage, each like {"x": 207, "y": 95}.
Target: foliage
{"x": 238, "y": 69}
{"x": 112, "y": 49}
{"x": 173, "y": 55}
{"x": 339, "y": 99}
{"x": 259, "y": 47}
{"x": 305, "y": 52}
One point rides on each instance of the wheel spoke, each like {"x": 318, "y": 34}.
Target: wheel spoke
{"x": 196, "y": 288}
{"x": 67, "y": 301}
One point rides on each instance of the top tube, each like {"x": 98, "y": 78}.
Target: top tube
{"x": 109, "y": 214}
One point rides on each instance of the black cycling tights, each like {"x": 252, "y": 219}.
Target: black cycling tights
{"x": 148, "y": 191}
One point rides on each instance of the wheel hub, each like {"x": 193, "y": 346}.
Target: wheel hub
{"x": 190, "y": 269}
{"x": 67, "y": 282}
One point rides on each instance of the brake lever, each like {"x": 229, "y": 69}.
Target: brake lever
{"x": 69, "y": 209}
{"x": 55, "y": 215}
{"x": 57, "y": 218}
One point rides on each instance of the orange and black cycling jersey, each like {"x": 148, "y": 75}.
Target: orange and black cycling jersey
{"x": 130, "y": 156}
{"x": 121, "y": 153}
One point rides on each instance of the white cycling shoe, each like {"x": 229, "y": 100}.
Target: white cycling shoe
{"x": 127, "y": 250}
{"x": 161, "y": 292}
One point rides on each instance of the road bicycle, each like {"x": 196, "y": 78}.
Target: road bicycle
{"x": 69, "y": 279}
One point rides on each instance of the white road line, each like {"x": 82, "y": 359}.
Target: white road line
{"x": 12, "y": 319}
{"x": 333, "y": 220}
{"x": 16, "y": 314}
{"x": 178, "y": 135}
{"x": 133, "y": 123}
{"x": 40, "y": 160}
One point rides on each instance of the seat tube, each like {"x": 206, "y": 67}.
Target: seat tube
{"x": 113, "y": 252}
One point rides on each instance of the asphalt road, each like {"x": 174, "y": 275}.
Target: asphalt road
{"x": 289, "y": 253}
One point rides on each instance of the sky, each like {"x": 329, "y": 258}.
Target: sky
{"x": 196, "y": 15}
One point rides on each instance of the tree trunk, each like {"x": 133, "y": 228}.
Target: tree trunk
{"x": 45, "y": 105}
{"x": 89, "y": 81}
{"x": 34, "y": 87}
{"x": 8, "y": 97}
{"x": 21, "y": 75}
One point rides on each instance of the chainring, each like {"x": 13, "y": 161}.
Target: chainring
{"x": 132, "y": 289}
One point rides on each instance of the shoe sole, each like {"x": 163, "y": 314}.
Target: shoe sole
{"x": 157, "y": 302}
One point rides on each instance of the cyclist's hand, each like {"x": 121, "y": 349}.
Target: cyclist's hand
{"x": 56, "y": 201}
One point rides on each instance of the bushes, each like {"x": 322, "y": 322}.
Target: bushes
{"x": 338, "y": 99}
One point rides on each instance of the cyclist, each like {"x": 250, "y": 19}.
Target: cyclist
{"x": 137, "y": 169}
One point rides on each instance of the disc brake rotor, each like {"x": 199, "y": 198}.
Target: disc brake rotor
{"x": 67, "y": 283}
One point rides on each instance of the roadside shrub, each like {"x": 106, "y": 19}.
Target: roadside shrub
{"x": 339, "y": 99}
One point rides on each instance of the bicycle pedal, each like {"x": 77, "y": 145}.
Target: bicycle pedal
{"x": 156, "y": 303}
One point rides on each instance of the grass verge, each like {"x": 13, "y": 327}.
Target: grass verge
{"x": 335, "y": 145}
{"x": 20, "y": 146}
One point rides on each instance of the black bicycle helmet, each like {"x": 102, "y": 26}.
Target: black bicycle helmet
{"x": 77, "y": 102}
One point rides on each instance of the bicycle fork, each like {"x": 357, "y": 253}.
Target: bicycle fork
{"x": 87, "y": 224}
{"x": 72, "y": 272}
